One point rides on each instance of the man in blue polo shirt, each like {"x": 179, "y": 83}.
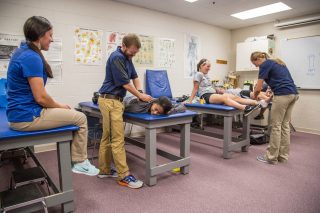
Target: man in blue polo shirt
{"x": 119, "y": 72}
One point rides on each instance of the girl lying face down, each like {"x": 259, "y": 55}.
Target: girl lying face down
{"x": 158, "y": 106}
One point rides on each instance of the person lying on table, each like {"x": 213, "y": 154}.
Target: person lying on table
{"x": 203, "y": 85}
{"x": 157, "y": 106}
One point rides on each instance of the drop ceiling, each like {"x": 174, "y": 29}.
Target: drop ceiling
{"x": 217, "y": 13}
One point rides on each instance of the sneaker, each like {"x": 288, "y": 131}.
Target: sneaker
{"x": 259, "y": 117}
{"x": 85, "y": 168}
{"x": 263, "y": 159}
{"x": 263, "y": 103}
{"x": 249, "y": 109}
{"x": 131, "y": 182}
{"x": 113, "y": 174}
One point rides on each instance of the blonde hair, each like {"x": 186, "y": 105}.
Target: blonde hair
{"x": 257, "y": 54}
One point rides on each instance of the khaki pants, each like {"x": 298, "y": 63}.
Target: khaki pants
{"x": 57, "y": 117}
{"x": 281, "y": 110}
{"x": 112, "y": 141}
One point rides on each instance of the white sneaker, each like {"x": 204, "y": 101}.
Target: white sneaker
{"x": 263, "y": 103}
{"x": 85, "y": 168}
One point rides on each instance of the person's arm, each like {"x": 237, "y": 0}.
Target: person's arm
{"x": 263, "y": 96}
{"x": 194, "y": 90}
{"x": 137, "y": 84}
{"x": 41, "y": 96}
{"x": 142, "y": 96}
{"x": 258, "y": 88}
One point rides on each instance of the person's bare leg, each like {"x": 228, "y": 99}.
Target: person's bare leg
{"x": 243, "y": 101}
{"x": 224, "y": 99}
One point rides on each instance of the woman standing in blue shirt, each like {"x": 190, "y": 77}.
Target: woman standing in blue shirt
{"x": 275, "y": 73}
{"x": 30, "y": 107}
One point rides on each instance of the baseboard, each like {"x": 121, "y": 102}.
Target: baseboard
{"x": 306, "y": 130}
{"x": 45, "y": 148}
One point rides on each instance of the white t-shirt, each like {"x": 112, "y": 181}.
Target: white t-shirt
{"x": 205, "y": 84}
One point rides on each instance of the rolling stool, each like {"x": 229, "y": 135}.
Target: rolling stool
{"x": 22, "y": 197}
{"x": 27, "y": 176}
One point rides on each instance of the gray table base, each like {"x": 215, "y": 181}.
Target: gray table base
{"x": 150, "y": 141}
{"x": 64, "y": 194}
{"x": 229, "y": 144}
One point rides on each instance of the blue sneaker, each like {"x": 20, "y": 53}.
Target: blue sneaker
{"x": 131, "y": 182}
{"x": 113, "y": 174}
{"x": 85, "y": 168}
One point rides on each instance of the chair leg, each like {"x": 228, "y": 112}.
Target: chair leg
{"x": 44, "y": 205}
{"x": 48, "y": 187}
{"x": 292, "y": 127}
{"x": 130, "y": 130}
{"x": 25, "y": 155}
{"x": 11, "y": 182}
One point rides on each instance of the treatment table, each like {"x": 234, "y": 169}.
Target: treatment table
{"x": 62, "y": 136}
{"x": 151, "y": 123}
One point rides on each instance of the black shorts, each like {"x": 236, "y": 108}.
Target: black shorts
{"x": 245, "y": 93}
{"x": 206, "y": 97}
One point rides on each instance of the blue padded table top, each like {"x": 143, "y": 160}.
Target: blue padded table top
{"x": 6, "y": 132}
{"x": 143, "y": 116}
{"x": 212, "y": 106}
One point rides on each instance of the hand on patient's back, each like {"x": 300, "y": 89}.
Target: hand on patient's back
{"x": 145, "y": 97}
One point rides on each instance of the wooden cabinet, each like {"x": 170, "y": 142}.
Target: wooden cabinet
{"x": 245, "y": 49}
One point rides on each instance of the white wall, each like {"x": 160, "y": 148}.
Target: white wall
{"x": 306, "y": 114}
{"x": 79, "y": 81}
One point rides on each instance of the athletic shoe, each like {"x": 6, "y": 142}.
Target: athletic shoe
{"x": 263, "y": 103}
{"x": 249, "y": 109}
{"x": 113, "y": 174}
{"x": 85, "y": 168}
{"x": 131, "y": 182}
{"x": 263, "y": 159}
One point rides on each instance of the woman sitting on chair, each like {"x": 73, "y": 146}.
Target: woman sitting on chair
{"x": 203, "y": 85}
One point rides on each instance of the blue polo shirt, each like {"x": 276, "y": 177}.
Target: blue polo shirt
{"x": 24, "y": 63}
{"x": 119, "y": 71}
{"x": 277, "y": 77}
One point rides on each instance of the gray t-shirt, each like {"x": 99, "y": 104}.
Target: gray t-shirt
{"x": 205, "y": 84}
{"x": 133, "y": 104}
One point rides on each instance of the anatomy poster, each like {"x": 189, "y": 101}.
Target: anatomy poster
{"x": 144, "y": 58}
{"x": 166, "y": 55}
{"x": 192, "y": 55}
{"x": 114, "y": 39}
{"x": 88, "y": 46}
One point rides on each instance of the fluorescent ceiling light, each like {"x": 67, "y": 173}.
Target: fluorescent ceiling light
{"x": 261, "y": 11}
{"x": 191, "y": 1}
